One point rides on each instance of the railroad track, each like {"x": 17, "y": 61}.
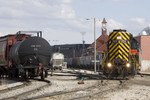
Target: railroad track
{"x": 25, "y": 83}
{"x": 71, "y": 95}
{"x": 64, "y": 92}
{"x": 24, "y": 94}
{"x": 98, "y": 92}
{"x": 145, "y": 74}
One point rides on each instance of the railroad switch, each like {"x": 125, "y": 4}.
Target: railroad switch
{"x": 141, "y": 74}
{"x": 82, "y": 81}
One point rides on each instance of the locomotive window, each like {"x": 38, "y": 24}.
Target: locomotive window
{"x": 134, "y": 46}
{"x": 114, "y": 41}
{"x": 123, "y": 41}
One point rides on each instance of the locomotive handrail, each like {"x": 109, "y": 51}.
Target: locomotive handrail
{"x": 103, "y": 61}
{"x": 134, "y": 61}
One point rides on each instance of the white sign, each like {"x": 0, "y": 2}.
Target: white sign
{"x": 94, "y": 61}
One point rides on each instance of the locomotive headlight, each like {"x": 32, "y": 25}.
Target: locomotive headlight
{"x": 109, "y": 65}
{"x": 128, "y": 65}
{"x": 119, "y": 38}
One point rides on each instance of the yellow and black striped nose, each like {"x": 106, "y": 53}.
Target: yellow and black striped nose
{"x": 118, "y": 45}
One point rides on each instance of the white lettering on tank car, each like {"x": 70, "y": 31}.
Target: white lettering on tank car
{"x": 35, "y": 47}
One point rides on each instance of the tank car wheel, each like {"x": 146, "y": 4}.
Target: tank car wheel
{"x": 10, "y": 75}
{"x": 43, "y": 74}
{"x": 26, "y": 73}
{"x": 16, "y": 73}
{"x": 46, "y": 73}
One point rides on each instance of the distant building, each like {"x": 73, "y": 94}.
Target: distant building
{"x": 71, "y": 50}
{"x": 101, "y": 41}
{"x": 144, "y": 42}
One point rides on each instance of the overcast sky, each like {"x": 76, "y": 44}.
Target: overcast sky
{"x": 63, "y": 21}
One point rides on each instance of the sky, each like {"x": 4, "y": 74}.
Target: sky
{"x": 64, "y": 21}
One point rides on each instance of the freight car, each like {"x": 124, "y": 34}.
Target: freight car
{"x": 85, "y": 62}
{"x": 122, "y": 58}
{"x": 57, "y": 61}
{"x": 23, "y": 55}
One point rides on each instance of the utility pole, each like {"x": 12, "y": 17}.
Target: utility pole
{"x": 94, "y": 45}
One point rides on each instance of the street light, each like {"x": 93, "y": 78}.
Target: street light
{"x": 94, "y": 44}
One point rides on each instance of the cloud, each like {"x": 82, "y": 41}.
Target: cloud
{"x": 66, "y": 36}
{"x": 55, "y": 17}
{"x": 28, "y": 12}
{"x": 135, "y": 25}
{"x": 37, "y": 9}
{"x": 112, "y": 24}
{"x": 138, "y": 20}
{"x": 111, "y": 0}
{"x": 121, "y": 0}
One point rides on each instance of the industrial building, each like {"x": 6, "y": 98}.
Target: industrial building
{"x": 71, "y": 50}
{"x": 144, "y": 42}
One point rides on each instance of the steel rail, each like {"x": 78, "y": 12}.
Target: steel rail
{"x": 24, "y": 94}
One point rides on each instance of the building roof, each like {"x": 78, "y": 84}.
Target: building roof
{"x": 101, "y": 43}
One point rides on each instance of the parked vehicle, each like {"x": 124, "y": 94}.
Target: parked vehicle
{"x": 57, "y": 61}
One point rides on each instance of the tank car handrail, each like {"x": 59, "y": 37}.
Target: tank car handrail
{"x": 39, "y": 33}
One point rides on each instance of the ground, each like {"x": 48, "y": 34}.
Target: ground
{"x": 137, "y": 88}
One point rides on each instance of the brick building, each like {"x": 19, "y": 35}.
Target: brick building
{"x": 144, "y": 42}
{"x": 101, "y": 41}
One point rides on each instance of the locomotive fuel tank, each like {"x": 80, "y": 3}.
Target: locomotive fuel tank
{"x": 32, "y": 51}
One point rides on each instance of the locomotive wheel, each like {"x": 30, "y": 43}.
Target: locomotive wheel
{"x": 124, "y": 73}
{"x": 43, "y": 74}
{"x": 104, "y": 72}
{"x": 26, "y": 73}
